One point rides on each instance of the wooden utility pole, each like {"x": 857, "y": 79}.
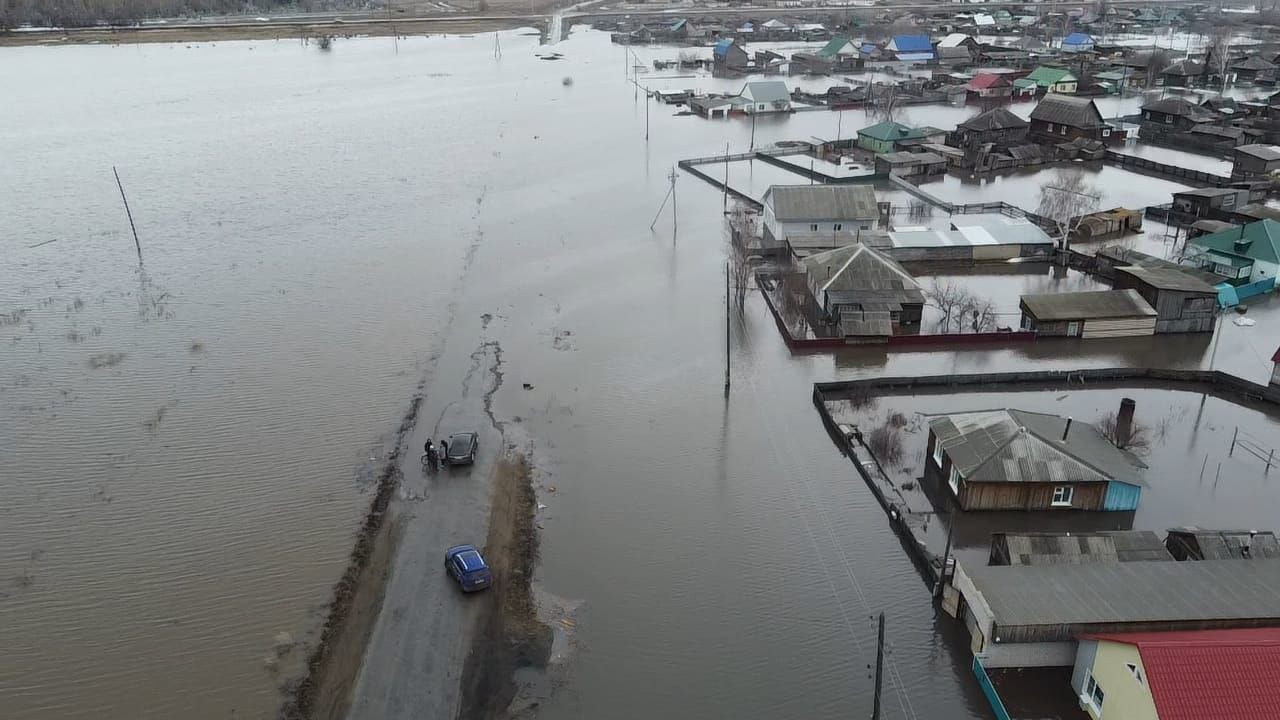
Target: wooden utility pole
{"x": 875, "y": 702}
{"x": 753, "y": 132}
{"x": 726, "y": 328}
{"x": 674, "y": 214}
{"x": 726, "y": 177}
{"x": 129, "y": 214}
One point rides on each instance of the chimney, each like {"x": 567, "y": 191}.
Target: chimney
{"x": 1124, "y": 422}
{"x": 1066, "y": 430}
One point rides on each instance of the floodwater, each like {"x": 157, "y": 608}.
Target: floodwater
{"x": 1118, "y": 187}
{"x": 191, "y": 445}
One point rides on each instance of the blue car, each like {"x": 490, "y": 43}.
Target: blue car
{"x": 464, "y": 564}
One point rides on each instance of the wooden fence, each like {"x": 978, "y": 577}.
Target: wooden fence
{"x": 1171, "y": 171}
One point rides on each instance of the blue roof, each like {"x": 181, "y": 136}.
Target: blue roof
{"x": 868, "y": 48}
{"x": 723, "y": 46}
{"x": 912, "y": 43}
{"x": 678, "y": 25}
{"x": 1077, "y": 38}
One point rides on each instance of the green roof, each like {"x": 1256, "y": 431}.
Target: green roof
{"x": 1045, "y": 76}
{"x": 1024, "y": 82}
{"x": 890, "y": 130}
{"x": 833, "y": 47}
{"x": 1258, "y": 241}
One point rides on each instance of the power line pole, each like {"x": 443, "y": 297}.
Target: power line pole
{"x": 753, "y": 132}
{"x": 129, "y": 214}
{"x": 875, "y": 706}
{"x": 726, "y": 328}
{"x": 726, "y": 177}
{"x": 674, "y": 214}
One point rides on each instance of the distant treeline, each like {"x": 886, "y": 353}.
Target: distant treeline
{"x": 87, "y": 13}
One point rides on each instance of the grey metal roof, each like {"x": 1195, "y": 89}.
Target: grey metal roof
{"x": 1093, "y": 305}
{"x": 1226, "y": 544}
{"x": 1229, "y": 131}
{"x": 1077, "y": 548}
{"x": 858, "y": 274}
{"x": 802, "y": 203}
{"x": 1208, "y": 192}
{"x": 998, "y": 119}
{"x": 910, "y": 158}
{"x": 1101, "y": 594}
{"x": 1262, "y": 152}
{"x": 1166, "y": 278}
{"x": 1181, "y": 108}
{"x": 1022, "y": 446}
{"x": 1071, "y": 111}
{"x": 767, "y": 91}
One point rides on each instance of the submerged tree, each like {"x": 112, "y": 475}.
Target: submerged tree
{"x": 1065, "y": 199}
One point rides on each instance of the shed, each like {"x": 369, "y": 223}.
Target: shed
{"x": 911, "y": 163}
{"x": 710, "y": 107}
{"x": 1076, "y": 548}
{"x": 1195, "y": 543}
{"x": 1183, "y": 302}
{"x": 1094, "y": 314}
{"x": 1255, "y": 160}
{"x": 1019, "y": 460}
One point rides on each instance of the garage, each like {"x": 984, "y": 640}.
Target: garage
{"x": 1098, "y": 314}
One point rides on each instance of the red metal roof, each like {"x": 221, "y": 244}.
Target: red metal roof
{"x": 982, "y": 81}
{"x": 1219, "y": 674}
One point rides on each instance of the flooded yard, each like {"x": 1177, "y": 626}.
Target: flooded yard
{"x": 1118, "y": 187}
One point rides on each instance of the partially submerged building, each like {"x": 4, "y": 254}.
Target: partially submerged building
{"x": 972, "y": 239}
{"x": 839, "y": 212}
{"x": 866, "y": 295}
{"x": 1093, "y": 314}
{"x": 1021, "y": 460}
{"x": 908, "y": 164}
{"x": 1183, "y": 302}
{"x": 1192, "y": 675}
{"x": 1060, "y": 118}
{"x": 1032, "y": 615}
{"x": 1247, "y": 256}
{"x": 765, "y": 96}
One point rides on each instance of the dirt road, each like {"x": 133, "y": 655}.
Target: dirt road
{"x": 414, "y": 661}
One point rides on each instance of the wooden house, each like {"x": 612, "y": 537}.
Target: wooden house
{"x": 729, "y": 56}
{"x": 1176, "y": 113}
{"x": 1248, "y": 69}
{"x": 863, "y": 293}
{"x": 1183, "y": 302}
{"x": 1060, "y": 118}
{"x": 994, "y": 126}
{"x": 1020, "y": 460}
{"x": 1211, "y": 202}
{"x": 907, "y": 164}
{"x": 1255, "y": 160}
{"x": 989, "y": 87}
{"x": 1094, "y": 314}
{"x": 1183, "y": 73}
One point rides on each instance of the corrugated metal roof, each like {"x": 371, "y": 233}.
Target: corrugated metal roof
{"x": 1219, "y": 674}
{"x": 1093, "y": 305}
{"x": 998, "y": 119}
{"x": 1021, "y": 446}
{"x": 767, "y": 91}
{"x": 910, "y": 158}
{"x": 858, "y": 274}
{"x": 1071, "y": 111}
{"x": 1203, "y": 544}
{"x": 1077, "y": 548}
{"x": 1260, "y": 151}
{"x": 804, "y": 203}
{"x": 1002, "y": 229}
{"x": 1165, "y": 278}
{"x": 1100, "y": 594}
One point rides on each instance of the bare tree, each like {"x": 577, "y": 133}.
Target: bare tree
{"x": 1064, "y": 200}
{"x": 1220, "y": 53}
{"x": 918, "y": 210}
{"x": 1139, "y": 440}
{"x": 978, "y": 314}
{"x": 962, "y": 311}
{"x": 882, "y": 102}
{"x": 948, "y": 298}
{"x": 1157, "y": 61}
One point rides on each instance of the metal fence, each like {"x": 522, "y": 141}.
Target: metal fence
{"x": 989, "y": 689}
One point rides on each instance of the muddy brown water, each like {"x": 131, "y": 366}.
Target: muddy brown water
{"x": 186, "y": 452}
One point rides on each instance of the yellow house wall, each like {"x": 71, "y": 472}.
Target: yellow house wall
{"x": 1125, "y": 697}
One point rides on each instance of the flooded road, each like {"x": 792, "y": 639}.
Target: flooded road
{"x": 193, "y": 445}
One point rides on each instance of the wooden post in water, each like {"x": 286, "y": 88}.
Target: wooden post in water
{"x": 1234, "y": 435}
{"x": 875, "y": 700}
{"x": 726, "y": 328}
{"x": 129, "y": 214}
{"x": 726, "y": 177}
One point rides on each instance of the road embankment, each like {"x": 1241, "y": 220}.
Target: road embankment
{"x": 508, "y": 635}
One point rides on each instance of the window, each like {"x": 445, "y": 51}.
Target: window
{"x": 1093, "y": 695}
{"x": 1064, "y": 130}
{"x": 1062, "y": 495}
{"x": 1147, "y": 114}
{"x": 937, "y": 452}
{"x": 955, "y": 480}
{"x": 814, "y": 227}
{"x": 1168, "y": 119}
{"x": 837, "y": 227}
{"x": 1106, "y": 132}
{"x": 1049, "y": 127}
{"x": 1134, "y": 671}
{"x": 761, "y": 107}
